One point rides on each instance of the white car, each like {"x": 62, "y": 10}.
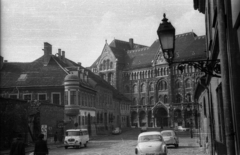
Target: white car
{"x": 76, "y": 138}
{"x": 151, "y": 143}
{"x": 170, "y": 137}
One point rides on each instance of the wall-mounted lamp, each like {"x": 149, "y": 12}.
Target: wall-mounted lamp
{"x": 166, "y": 34}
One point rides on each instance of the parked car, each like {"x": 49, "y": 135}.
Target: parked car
{"x": 76, "y": 138}
{"x": 181, "y": 129}
{"x": 143, "y": 129}
{"x": 151, "y": 143}
{"x": 170, "y": 137}
{"x": 116, "y": 131}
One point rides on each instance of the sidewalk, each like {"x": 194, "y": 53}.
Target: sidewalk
{"x": 30, "y": 148}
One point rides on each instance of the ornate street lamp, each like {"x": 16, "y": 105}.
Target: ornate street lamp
{"x": 166, "y": 34}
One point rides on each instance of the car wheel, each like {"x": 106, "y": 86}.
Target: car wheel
{"x": 66, "y": 147}
{"x": 176, "y": 145}
{"x": 85, "y": 145}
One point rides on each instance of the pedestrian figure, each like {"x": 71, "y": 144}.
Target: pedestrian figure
{"x": 17, "y": 147}
{"x": 41, "y": 146}
{"x": 55, "y": 137}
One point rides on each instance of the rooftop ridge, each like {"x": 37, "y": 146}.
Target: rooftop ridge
{"x": 138, "y": 50}
{"x": 199, "y": 37}
{"x": 185, "y": 34}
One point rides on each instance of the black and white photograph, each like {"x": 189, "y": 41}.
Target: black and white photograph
{"x": 120, "y": 77}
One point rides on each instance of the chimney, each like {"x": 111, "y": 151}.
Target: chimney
{"x": 63, "y": 56}
{"x": 47, "y": 53}
{"x": 86, "y": 76}
{"x": 131, "y": 43}
{"x": 59, "y": 53}
{"x": 47, "y": 49}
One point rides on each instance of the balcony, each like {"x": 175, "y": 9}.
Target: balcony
{"x": 71, "y": 110}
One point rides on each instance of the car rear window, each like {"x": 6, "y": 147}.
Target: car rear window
{"x": 166, "y": 134}
{"x": 73, "y": 133}
{"x": 150, "y": 138}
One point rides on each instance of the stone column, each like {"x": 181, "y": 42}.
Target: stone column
{"x": 138, "y": 121}
{"x": 146, "y": 118}
{"x": 183, "y": 122}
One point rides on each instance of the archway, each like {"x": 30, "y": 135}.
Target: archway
{"x": 134, "y": 118}
{"x": 142, "y": 118}
{"x": 161, "y": 116}
{"x": 150, "y": 123}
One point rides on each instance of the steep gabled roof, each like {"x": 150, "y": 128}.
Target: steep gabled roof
{"x": 189, "y": 46}
{"x": 101, "y": 82}
{"x": 123, "y": 45}
{"x": 36, "y": 74}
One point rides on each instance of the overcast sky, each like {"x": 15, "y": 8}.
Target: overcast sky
{"x": 80, "y": 27}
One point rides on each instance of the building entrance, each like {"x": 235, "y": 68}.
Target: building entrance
{"x": 161, "y": 117}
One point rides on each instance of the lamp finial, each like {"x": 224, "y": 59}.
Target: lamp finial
{"x": 164, "y": 18}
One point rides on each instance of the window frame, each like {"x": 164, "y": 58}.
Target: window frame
{"x": 53, "y": 93}
{"x": 41, "y": 94}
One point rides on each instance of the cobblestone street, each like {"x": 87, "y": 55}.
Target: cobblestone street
{"x": 125, "y": 143}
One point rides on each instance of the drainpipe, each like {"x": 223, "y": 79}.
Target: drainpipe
{"x": 225, "y": 79}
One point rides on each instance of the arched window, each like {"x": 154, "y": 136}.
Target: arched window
{"x": 108, "y": 64}
{"x": 135, "y": 88}
{"x": 188, "y": 83}
{"x": 189, "y": 97}
{"x": 111, "y": 65}
{"x": 162, "y": 85}
{"x": 151, "y": 87}
{"x": 165, "y": 85}
{"x": 142, "y": 101}
{"x": 101, "y": 67}
{"x": 178, "y": 84}
{"x": 142, "y": 88}
{"x": 165, "y": 100}
{"x": 151, "y": 100}
{"x": 178, "y": 98}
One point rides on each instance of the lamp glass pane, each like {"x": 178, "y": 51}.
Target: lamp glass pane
{"x": 167, "y": 41}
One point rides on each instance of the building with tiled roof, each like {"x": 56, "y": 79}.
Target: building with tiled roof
{"x": 141, "y": 73}
{"x": 89, "y": 101}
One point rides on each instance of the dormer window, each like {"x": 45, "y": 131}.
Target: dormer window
{"x": 22, "y": 77}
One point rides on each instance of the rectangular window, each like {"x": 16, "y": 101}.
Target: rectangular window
{"x": 13, "y": 96}
{"x": 66, "y": 98}
{"x": 27, "y": 96}
{"x": 73, "y": 98}
{"x": 79, "y": 120}
{"x": 42, "y": 97}
{"x": 220, "y": 114}
{"x": 56, "y": 98}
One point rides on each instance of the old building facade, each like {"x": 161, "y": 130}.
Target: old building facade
{"x": 50, "y": 80}
{"x": 219, "y": 96}
{"x": 161, "y": 95}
